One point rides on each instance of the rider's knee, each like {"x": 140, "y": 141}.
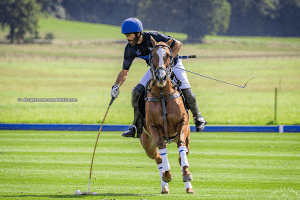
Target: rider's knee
{"x": 189, "y": 96}
{"x": 135, "y": 94}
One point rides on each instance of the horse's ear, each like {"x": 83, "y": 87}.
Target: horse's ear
{"x": 169, "y": 42}
{"x": 153, "y": 41}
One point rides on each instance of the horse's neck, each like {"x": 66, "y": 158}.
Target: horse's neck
{"x": 167, "y": 89}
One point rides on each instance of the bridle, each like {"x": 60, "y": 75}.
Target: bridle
{"x": 168, "y": 70}
{"x": 162, "y": 98}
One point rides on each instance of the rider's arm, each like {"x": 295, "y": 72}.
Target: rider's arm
{"x": 176, "y": 48}
{"x": 129, "y": 55}
{"x": 122, "y": 77}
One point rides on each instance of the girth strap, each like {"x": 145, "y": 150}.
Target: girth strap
{"x": 172, "y": 138}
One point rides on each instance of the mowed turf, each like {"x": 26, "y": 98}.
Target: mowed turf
{"x": 53, "y": 164}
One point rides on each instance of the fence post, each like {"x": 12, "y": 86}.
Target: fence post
{"x": 275, "y": 107}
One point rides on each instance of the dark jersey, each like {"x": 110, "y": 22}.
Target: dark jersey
{"x": 143, "y": 50}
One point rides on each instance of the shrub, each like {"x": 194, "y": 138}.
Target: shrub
{"x": 49, "y": 36}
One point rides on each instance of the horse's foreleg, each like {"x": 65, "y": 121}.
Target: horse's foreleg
{"x": 183, "y": 148}
{"x": 184, "y": 164}
{"x": 150, "y": 147}
{"x": 188, "y": 185}
{"x": 167, "y": 176}
{"x": 161, "y": 144}
{"x": 164, "y": 185}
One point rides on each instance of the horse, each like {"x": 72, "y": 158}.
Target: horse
{"x": 166, "y": 119}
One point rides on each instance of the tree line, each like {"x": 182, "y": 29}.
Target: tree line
{"x": 196, "y": 18}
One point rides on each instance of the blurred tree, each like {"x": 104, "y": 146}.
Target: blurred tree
{"x": 112, "y": 12}
{"x": 196, "y": 18}
{"x": 289, "y": 18}
{"x": 21, "y": 16}
{"x": 53, "y": 7}
{"x": 265, "y": 17}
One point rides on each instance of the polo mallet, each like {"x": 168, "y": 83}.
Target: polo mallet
{"x": 194, "y": 56}
{"x": 88, "y": 192}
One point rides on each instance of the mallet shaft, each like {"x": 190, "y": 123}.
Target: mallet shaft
{"x": 187, "y": 57}
{"x": 112, "y": 100}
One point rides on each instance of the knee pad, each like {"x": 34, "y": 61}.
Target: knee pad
{"x": 135, "y": 94}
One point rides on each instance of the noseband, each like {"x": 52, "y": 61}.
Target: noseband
{"x": 168, "y": 70}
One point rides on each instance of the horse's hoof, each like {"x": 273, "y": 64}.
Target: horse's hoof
{"x": 165, "y": 190}
{"x": 187, "y": 178}
{"x": 167, "y": 177}
{"x": 190, "y": 191}
{"x": 167, "y": 180}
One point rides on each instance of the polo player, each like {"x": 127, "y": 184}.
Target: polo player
{"x": 139, "y": 46}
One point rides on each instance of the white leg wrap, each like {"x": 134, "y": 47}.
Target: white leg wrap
{"x": 161, "y": 171}
{"x": 164, "y": 157}
{"x": 182, "y": 151}
{"x": 187, "y": 184}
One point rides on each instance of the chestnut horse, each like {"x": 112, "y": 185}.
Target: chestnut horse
{"x": 166, "y": 117}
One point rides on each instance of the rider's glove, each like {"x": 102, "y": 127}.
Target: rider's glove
{"x": 115, "y": 90}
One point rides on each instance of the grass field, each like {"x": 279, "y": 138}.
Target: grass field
{"x": 89, "y": 80}
{"x": 85, "y": 64}
{"x": 68, "y": 31}
{"x": 52, "y": 165}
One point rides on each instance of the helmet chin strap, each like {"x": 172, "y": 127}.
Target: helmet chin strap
{"x": 137, "y": 37}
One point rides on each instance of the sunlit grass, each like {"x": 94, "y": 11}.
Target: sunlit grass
{"x": 87, "y": 70}
{"x": 90, "y": 83}
{"x": 47, "y": 165}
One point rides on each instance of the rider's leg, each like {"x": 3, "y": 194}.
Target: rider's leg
{"x": 137, "y": 125}
{"x": 189, "y": 96}
{"x": 191, "y": 101}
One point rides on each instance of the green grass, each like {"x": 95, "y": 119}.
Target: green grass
{"x": 67, "y": 31}
{"x": 86, "y": 71}
{"x": 89, "y": 81}
{"x": 258, "y": 40}
{"x": 73, "y": 30}
{"x": 39, "y": 164}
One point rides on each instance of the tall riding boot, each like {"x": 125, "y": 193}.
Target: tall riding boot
{"x": 191, "y": 101}
{"x": 137, "y": 125}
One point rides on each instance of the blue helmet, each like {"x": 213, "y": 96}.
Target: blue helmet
{"x": 132, "y": 25}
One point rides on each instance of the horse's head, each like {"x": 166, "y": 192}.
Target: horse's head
{"x": 161, "y": 61}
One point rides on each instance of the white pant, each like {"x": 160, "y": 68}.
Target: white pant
{"x": 180, "y": 74}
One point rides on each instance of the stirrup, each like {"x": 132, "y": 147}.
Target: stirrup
{"x": 131, "y": 131}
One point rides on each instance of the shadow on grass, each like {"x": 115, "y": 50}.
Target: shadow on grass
{"x": 73, "y": 196}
